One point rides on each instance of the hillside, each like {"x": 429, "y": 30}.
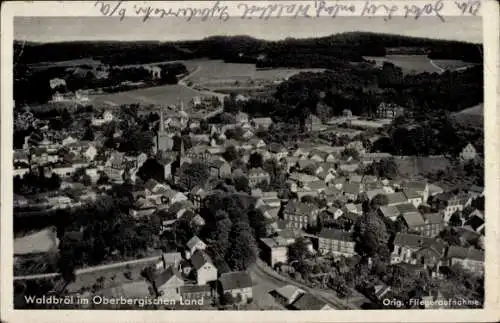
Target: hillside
{"x": 314, "y": 52}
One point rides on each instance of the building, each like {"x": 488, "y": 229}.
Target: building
{"x": 238, "y": 284}
{"x": 413, "y": 197}
{"x": 389, "y": 110}
{"x": 204, "y": 268}
{"x": 287, "y": 294}
{"x": 274, "y": 250}
{"x": 264, "y": 123}
{"x": 407, "y": 245}
{"x": 257, "y": 176}
{"x": 194, "y": 244}
{"x": 300, "y": 215}
{"x": 419, "y": 188}
{"x": 107, "y": 117}
{"x": 309, "y": 302}
{"x": 396, "y": 199}
{"x": 351, "y": 190}
{"x": 167, "y": 284}
{"x": 471, "y": 259}
{"x": 196, "y": 292}
{"x": 220, "y": 169}
{"x": 337, "y": 242}
{"x": 164, "y": 140}
{"x": 468, "y": 153}
{"x": 449, "y": 203}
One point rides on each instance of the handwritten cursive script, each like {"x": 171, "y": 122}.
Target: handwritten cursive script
{"x": 222, "y": 10}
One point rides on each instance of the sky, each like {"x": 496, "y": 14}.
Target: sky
{"x": 57, "y": 29}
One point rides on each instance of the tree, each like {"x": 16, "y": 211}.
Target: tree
{"x": 151, "y": 169}
{"x": 370, "y": 235}
{"x": 231, "y": 154}
{"x": 298, "y": 250}
{"x": 350, "y": 152}
{"x": 221, "y": 233}
{"x": 379, "y": 200}
{"x": 455, "y": 220}
{"x": 194, "y": 174}
{"x": 241, "y": 184}
{"x": 243, "y": 247}
{"x": 255, "y": 160}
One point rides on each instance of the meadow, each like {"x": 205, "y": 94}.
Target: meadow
{"x": 216, "y": 71}
{"x": 413, "y": 64}
{"x": 165, "y": 95}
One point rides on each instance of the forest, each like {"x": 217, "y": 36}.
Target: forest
{"x": 345, "y": 46}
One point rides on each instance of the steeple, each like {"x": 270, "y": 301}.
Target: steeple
{"x": 162, "y": 121}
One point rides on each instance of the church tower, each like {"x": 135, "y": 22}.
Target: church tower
{"x": 164, "y": 141}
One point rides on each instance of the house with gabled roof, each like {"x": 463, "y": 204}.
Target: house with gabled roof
{"x": 194, "y": 244}
{"x": 352, "y": 190}
{"x": 337, "y": 242}
{"x": 470, "y": 258}
{"x": 396, "y": 199}
{"x": 300, "y": 215}
{"x": 468, "y": 153}
{"x": 166, "y": 284}
{"x": 238, "y": 284}
{"x": 406, "y": 245}
{"x": 309, "y": 302}
{"x": 204, "y": 269}
{"x": 287, "y": 294}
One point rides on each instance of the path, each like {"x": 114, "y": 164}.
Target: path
{"x": 441, "y": 70}
{"x": 90, "y": 269}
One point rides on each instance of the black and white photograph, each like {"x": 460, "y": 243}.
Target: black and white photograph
{"x": 229, "y": 164}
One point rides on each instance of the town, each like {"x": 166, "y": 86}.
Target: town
{"x": 306, "y": 194}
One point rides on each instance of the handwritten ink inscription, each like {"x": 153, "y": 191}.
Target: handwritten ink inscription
{"x": 333, "y": 10}
{"x": 266, "y": 10}
{"x": 273, "y": 10}
{"x": 429, "y": 8}
{"x": 470, "y": 7}
{"x": 371, "y": 9}
{"x": 109, "y": 10}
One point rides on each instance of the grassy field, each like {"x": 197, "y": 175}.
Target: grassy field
{"x": 451, "y": 65}
{"x": 165, "y": 94}
{"x": 412, "y": 64}
{"x": 413, "y": 167}
{"x": 473, "y": 116}
{"x": 71, "y": 63}
{"x": 216, "y": 71}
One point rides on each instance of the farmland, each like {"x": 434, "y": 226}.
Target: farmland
{"x": 165, "y": 95}
{"x": 215, "y": 72}
{"x": 412, "y": 64}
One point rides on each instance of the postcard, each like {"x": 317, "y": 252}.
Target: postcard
{"x": 189, "y": 161}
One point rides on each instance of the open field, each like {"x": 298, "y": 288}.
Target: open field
{"x": 165, "y": 94}
{"x": 216, "y": 71}
{"x": 37, "y": 242}
{"x": 71, "y": 63}
{"x": 412, "y": 64}
{"x": 452, "y": 65}
{"x": 473, "y": 116}
{"x": 410, "y": 166}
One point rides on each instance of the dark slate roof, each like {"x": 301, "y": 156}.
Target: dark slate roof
{"x": 199, "y": 259}
{"x": 465, "y": 253}
{"x": 415, "y": 241}
{"x": 397, "y": 197}
{"x": 433, "y": 218}
{"x": 235, "y": 280}
{"x": 406, "y": 208}
{"x": 195, "y": 289}
{"x": 308, "y": 302}
{"x": 334, "y": 234}
{"x": 166, "y": 275}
